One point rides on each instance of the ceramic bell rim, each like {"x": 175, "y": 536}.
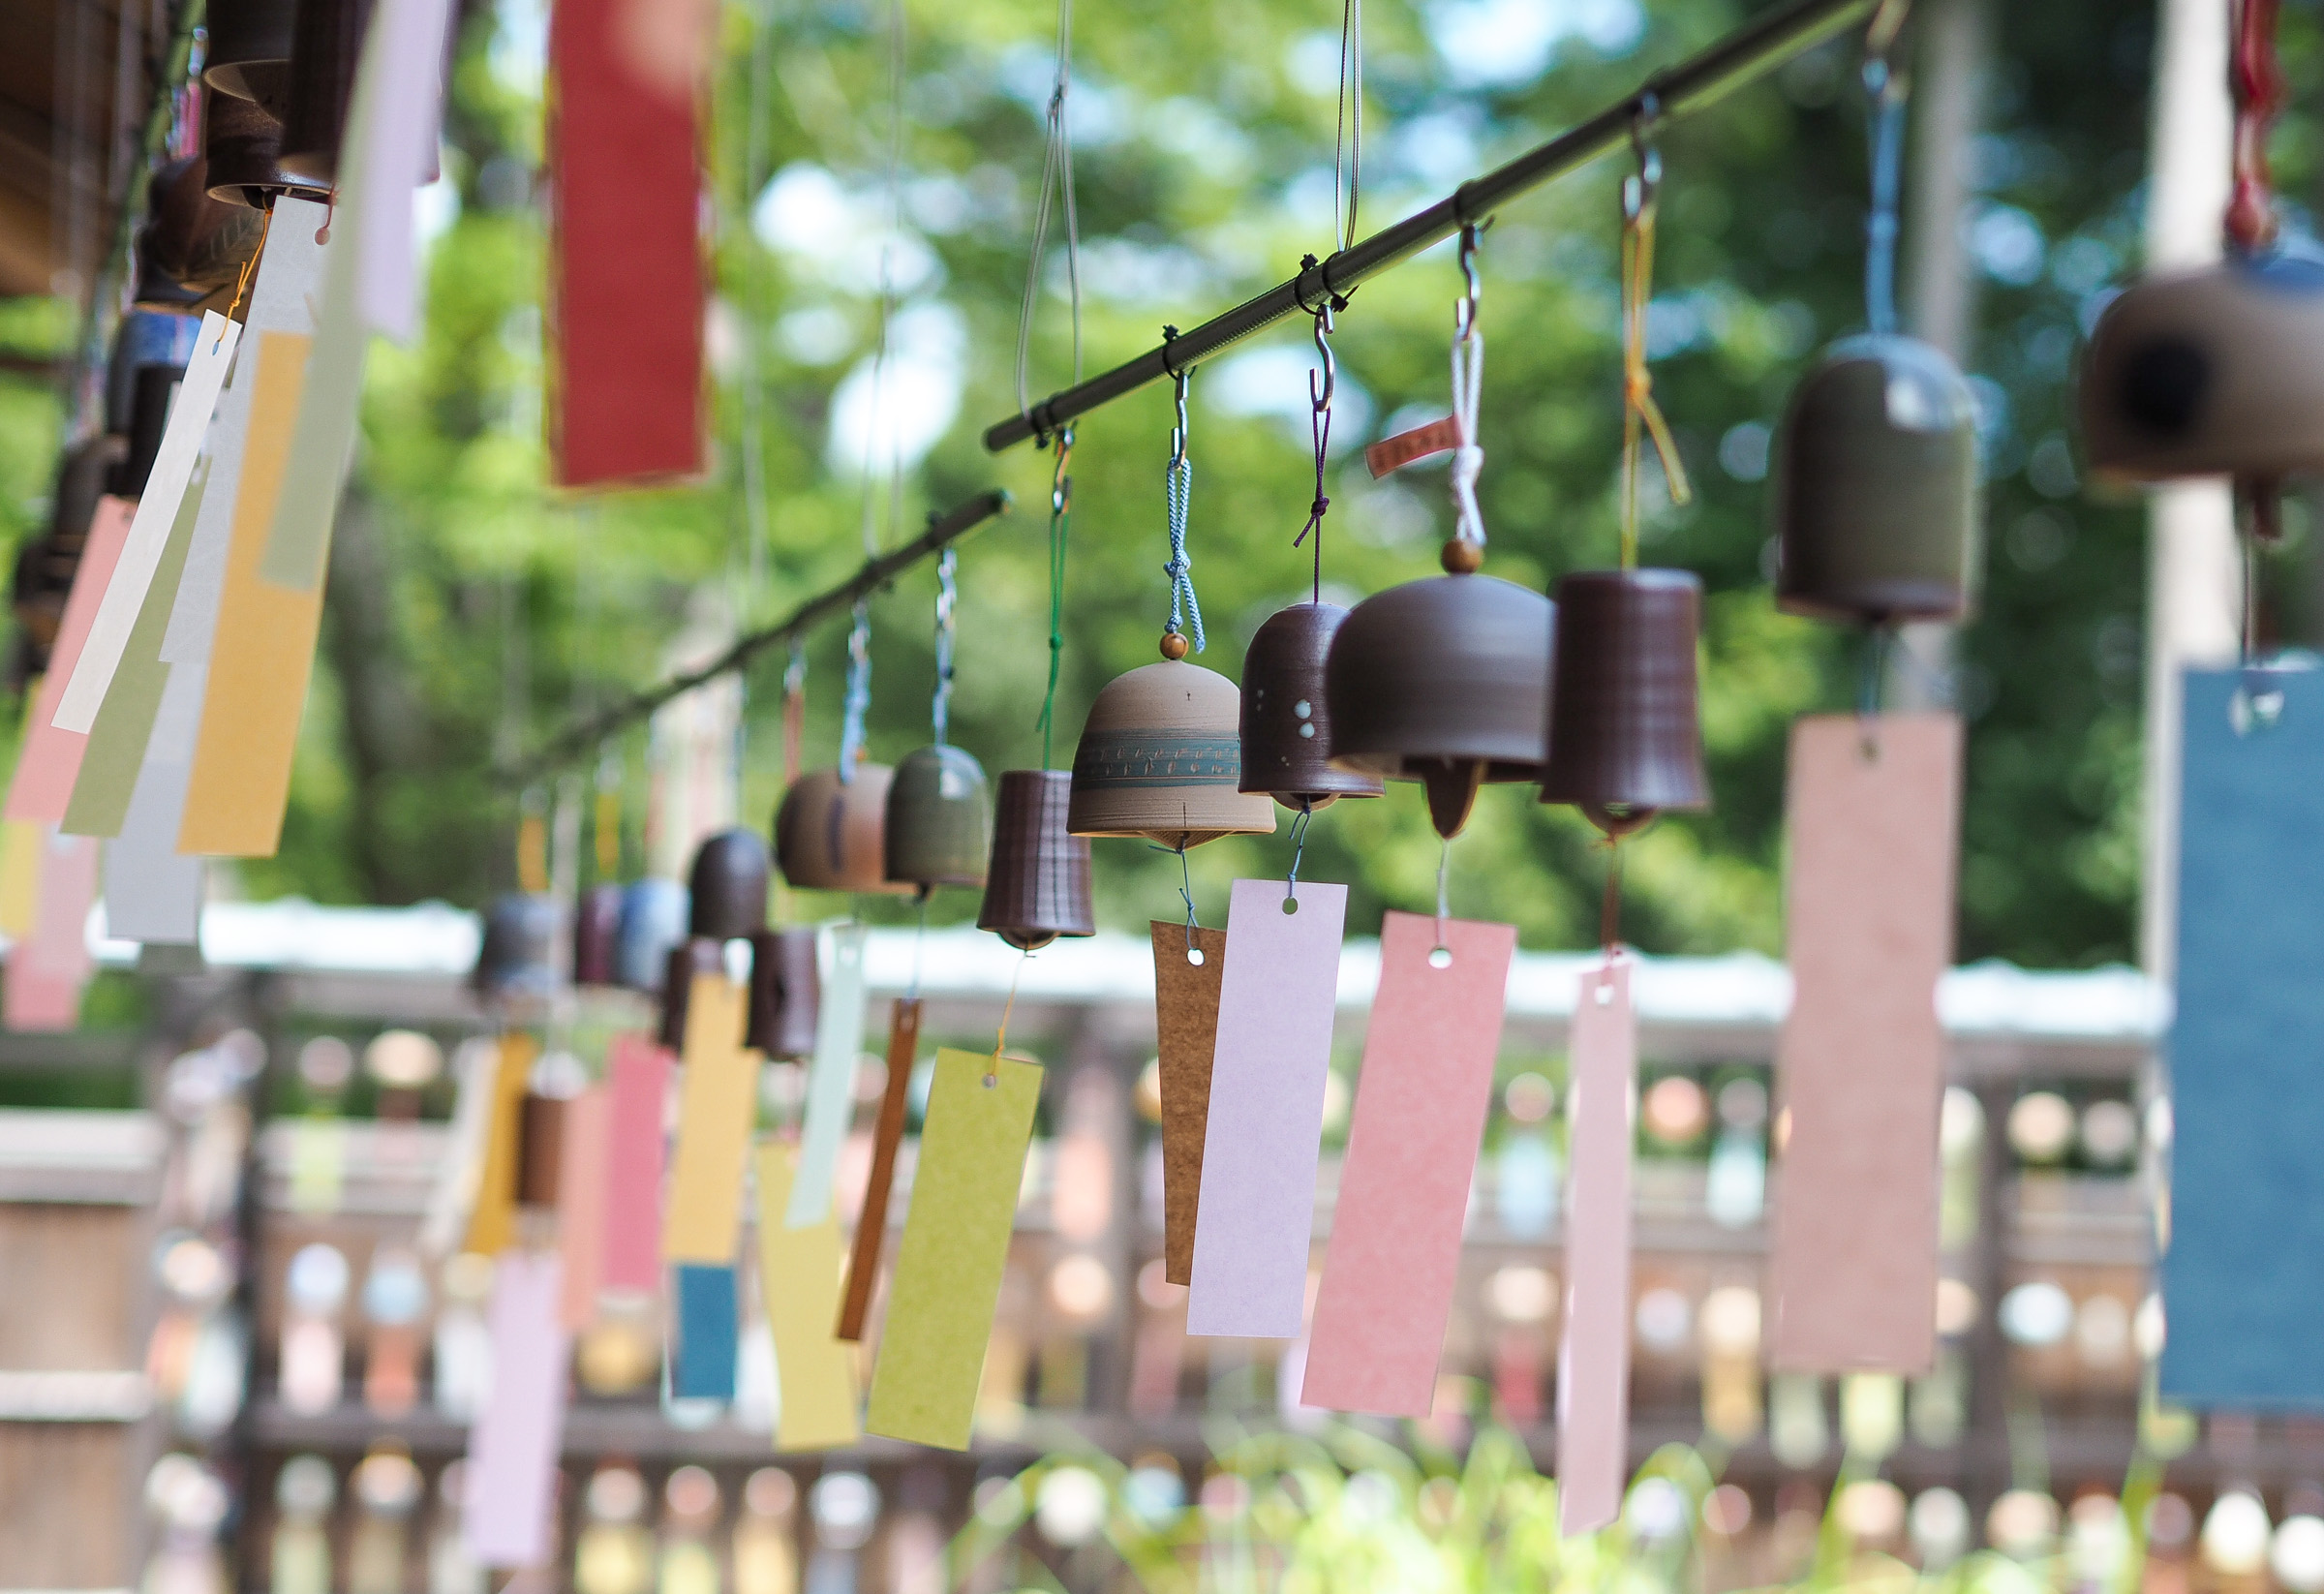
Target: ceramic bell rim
{"x": 694, "y": 955}
{"x": 249, "y": 49}
{"x": 325, "y": 49}
{"x": 596, "y": 935}
{"x": 1874, "y": 486}
{"x": 830, "y": 833}
{"x": 1161, "y": 757}
{"x": 1626, "y": 739}
{"x": 2214, "y": 372}
{"x": 786, "y": 993}
{"x": 241, "y": 151}
{"x": 1286, "y": 720}
{"x": 654, "y": 919}
{"x": 727, "y": 887}
{"x": 1037, "y": 888}
{"x": 939, "y": 829}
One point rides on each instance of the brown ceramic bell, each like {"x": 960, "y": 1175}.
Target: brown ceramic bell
{"x": 248, "y": 52}
{"x": 728, "y": 889}
{"x": 1875, "y": 486}
{"x": 1286, "y": 720}
{"x": 786, "y": 993}
{"x": 695, "y": 955}
{"x": 539, "y": 1148}
{"x": 2215, "y": 372}
{"x": 153, "y": 387}
{"x": 1624, "y": 738}
{"x": 1446, "y": 682}
{"x": 829, "y": 833}
{"x": 241, "y": 150}
{"x": 518, "y": 954}
{"x": 191, "y": 240}
{"x": 596, "y": 935}
{"x": 1038, "y": 885}
{"x": 1161, "y": 757}
{"x": 939, "y": 829}
{"x": 323, "y": 52}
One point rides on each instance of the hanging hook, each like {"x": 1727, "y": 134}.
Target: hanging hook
{"x": 1178, "y": 433}
{"x": 1319, "y": 394}
{"x": 1640, "y": 188}
{"x": 1464, "y": 311}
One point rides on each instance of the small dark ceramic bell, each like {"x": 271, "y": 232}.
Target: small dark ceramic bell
{"x": 1161, "y": 757}
{"x": 1624, "y": 739}
{"x": 695, "y": 955}
{"x": 189, "y": 238}
{"x": 249, "y": 54}
{"x": 1038, "y": 885}
{"x": 786, "y": 993}
{"x": 940, "y": 820}
{"x": 829, "y": 833}
{"x": 729, "y": 885}
{"x": 540, "y": 1150}
{"x": 1286, "y": 719}
{"x": 1875, "y": 486}
{"x": 148, "y": 414}
{"x": 2215, "y": 372}
{"x": 654, "y": 919}
{"x": 518, "y": 956}
{"x": 1446, "y": 682}
{"x": 242, "y": 150}
{"x": 596, "y": 935}
{"x": 323, "y": 52}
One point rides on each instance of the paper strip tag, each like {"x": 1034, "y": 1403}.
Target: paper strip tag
{"x": 1186, "y": 1033}
{"x": 1593, "y": 1363}
{"x": 48, "y": 971}
{"x": 581, "y": 1203}
{"x": 1390, "y": 454}
{"x": 2243, "y": 1271}
{"x": 153, "y": 527}
{"x": 956, "y": 1243}
{"x": 703, "y": 1362}
{"x": 20, "y": 847}
{"x": 638, "y": 1079}
{"x": 830, "y": 1077}
{"x": 1873, "y": 808}
{"x": 508, "y": 1516}
{"x": 799, "y": 1276}
{"x": 717, "y": 1103}
{"x": 407, "y": 42}
{"x": 152, "y": 893}
{"x": 872, "y": 1223}
{"x": 492, "y": 1219}
{"x": 1277, "y": 990}
{"x": 1421, "y": 1104}
{"x": 50, "y": 759}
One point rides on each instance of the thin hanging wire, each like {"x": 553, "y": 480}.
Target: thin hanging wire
{"x": 754, "y": 450}
{"x": 1444, "y": 887}
{"x": 1347, "y": 139}
{"x": 1056, "y": 194}
{"x": 858, "y": 700}
{"x": 1640, "y": 412}
{"x": 1322, "y": 383}
{"x": 1060, "y": 523}
{"x": 794, "y": 714}
{"x": 1185, "y": 894}
{"x": 879, "y": 427}
{"x": 948, "y": 596}
{"x": 1177, "y": 480}
{"x": 1468, "y": 384}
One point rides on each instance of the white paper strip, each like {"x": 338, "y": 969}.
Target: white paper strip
{"x": 831, "y": 1078}
{"x": 405, "y": 52}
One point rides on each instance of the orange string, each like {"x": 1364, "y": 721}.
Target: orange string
{"x": 1640, "y": 412}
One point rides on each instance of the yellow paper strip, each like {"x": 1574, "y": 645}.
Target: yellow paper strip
{"x": 21, "y": 848}
{"x": 799, "y": 1276}
{"x": 956, "y": 1242}
{"x": 264, "y": 648}
{"x": 718, "y": 1099}
{"x": 492, "y": 1219}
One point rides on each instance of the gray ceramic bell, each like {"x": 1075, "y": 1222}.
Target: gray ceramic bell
{"x": 1625, "y": 740}
{"x": 1285, "y": 716}
{"x": 249, "y": 50}
{"x": 939, "y": 829}
{"x": 1446, "y": 682}
{"x": 654, "y": 919}
{"x": 1161, "y": 757}
{"x": 1875, "y": 486}
{"x": 1038, "y": 885}
{"x": 728, "y": 887}
{"x": 517, "y": 957}
{"x": 2215, "y": 372}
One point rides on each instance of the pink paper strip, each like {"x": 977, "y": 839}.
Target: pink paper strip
{"x": 48, "y": 971}
{"x": 581, "y": 1205}
{"x": 1853, "y": 1266}
{"x": 50, "y": 760}
{"x": 1412, "y": 1149}
{"x": 509, "y": 1517}
{"x": 1257, "y": 1211}
{"x": 1593, "y": 1365}
{"x": 640, "y": 1086}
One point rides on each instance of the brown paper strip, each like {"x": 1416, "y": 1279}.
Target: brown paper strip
{"x": 1390, "y": 454}
{"x": 872, "y": 1224}
{"x": 1186, "y": 1027}
{"x": 1872, "y": 810}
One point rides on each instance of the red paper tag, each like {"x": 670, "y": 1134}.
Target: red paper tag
{"x": 1389, "y": 453}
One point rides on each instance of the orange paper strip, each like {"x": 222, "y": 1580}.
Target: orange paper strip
{"x": 872, "y": 1220}
{"x": 1872, "y": 810}
{"x": 1593, "y": 1363}
{"x": 492, "y": 1218}
{"x": 581, "y": 1205}
{"x": 1186, "y": 1028}
{"x": 1390, "y": 454}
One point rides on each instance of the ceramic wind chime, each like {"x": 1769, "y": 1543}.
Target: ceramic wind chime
{"x": 939, "y": 815}
{"x": 830, "y": 833}
{"x": 597, "y": 915}
{"x": 786, "y": 996}
{"x": 727, "y": 894}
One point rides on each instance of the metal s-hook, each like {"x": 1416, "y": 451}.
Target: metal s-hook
{"x": 1464, "y": 313}
{"x": 1320, "y": 398}
{"x": 1178, "y": 433}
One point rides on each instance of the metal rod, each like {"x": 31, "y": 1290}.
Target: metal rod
{"x": 583, "y": 738}
{"x": 1759, "y": 46}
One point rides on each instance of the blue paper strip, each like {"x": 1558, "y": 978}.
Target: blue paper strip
{"x": 2243, "y": 1279}
{"x": 703, "y": 1358}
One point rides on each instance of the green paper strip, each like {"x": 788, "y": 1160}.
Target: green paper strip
{"x": 956, "y": 1243}
{"x": 124, "y": 724}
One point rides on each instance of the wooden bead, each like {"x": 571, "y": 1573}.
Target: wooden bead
{"x": 1461, "y": 557}
{"x": 1174, "y": 644}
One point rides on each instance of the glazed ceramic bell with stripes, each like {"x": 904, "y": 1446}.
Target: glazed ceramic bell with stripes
{"x": 1037, "y": 888}
{"x": 1286, "y": 715}
{"x": 1161, "y": 757}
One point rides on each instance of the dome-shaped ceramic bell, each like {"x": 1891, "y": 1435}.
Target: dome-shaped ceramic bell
{"x": 728, "y": 887}
{"x": 1038, "y": 885}
{"x": 2215, "y": 372}
{"x": 518, "y": 954}
{"x": 692, "y": 956}
{"x": 249, "y": 51}
{"x": 596, "y": 935}
{"x": 241, "y": 150}
{"x": 786, "y": 993}
{"x": 189, "y": 238}
{"x": 1624, "y": 738}
{"x": 1161, "y": 757}
{"x": 323, "y": 52}
{"x": 830, "y": 835}
{"x": 654, "y": 919}
{"x": 1444, "y": 681}
{"x": 1875, "y": 486}
{"x": 939, "y": 829}
{"x": 1285, "y": 716}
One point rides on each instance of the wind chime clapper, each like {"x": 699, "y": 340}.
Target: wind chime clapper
{"x": 1446, "y": 680}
